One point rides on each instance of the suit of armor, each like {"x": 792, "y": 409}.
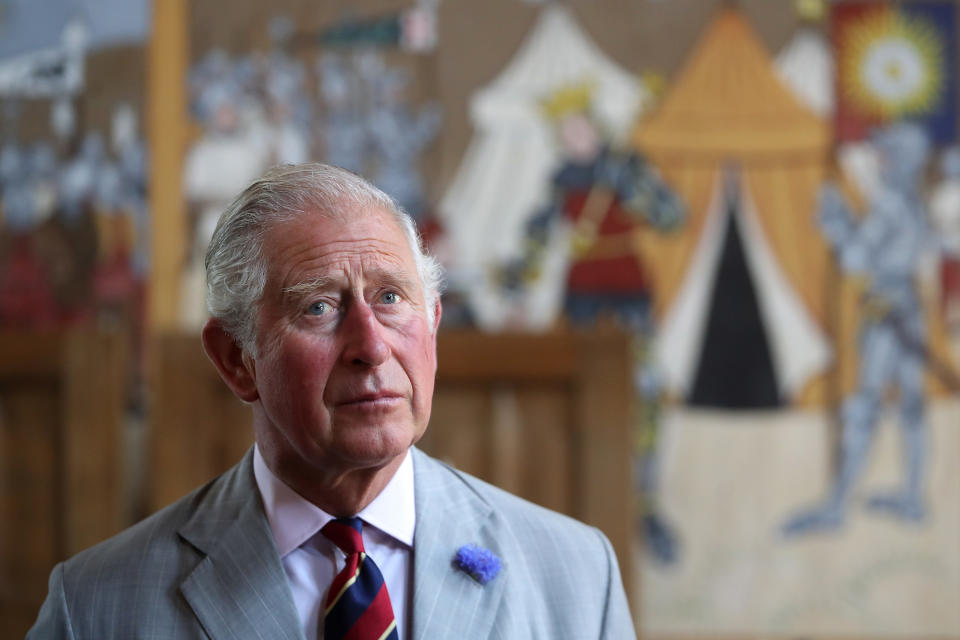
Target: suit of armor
{"x": 886, "y": 249}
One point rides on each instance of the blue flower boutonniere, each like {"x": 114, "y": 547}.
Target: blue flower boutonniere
{"x": 479, "y": 563}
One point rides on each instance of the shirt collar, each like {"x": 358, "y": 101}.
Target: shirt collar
{"x": 294, "y": 519}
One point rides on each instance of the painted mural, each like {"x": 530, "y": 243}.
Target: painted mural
{"x": 791, "y": 280}
{"x": 824, "y": 503}
{"x": 345, "y": 103}
{"x": 74, "y": 225}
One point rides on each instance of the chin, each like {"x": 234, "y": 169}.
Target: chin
{"x": 374, "y": 445}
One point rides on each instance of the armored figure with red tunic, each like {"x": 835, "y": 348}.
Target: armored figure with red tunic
{"x": 607, "y": 197}
{"x": 602, "y": 199}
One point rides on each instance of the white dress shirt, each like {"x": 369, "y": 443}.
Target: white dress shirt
{"x": 311, "y": 561}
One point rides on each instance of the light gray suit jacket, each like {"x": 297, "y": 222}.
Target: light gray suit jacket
{"x": 207, "y": 567}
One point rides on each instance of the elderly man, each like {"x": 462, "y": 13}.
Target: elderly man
{"x": 324, "y": 317}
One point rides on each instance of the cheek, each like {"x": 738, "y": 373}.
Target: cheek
{"x": 422, "y": 376}
{"x": 299, "y": 369}
{"x": 425, "y": 367}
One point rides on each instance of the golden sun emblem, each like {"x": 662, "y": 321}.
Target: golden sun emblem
{"x": 892, "y": 65}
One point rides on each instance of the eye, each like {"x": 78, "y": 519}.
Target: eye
{"x": 390, "y": 297}
{"x": 317, "y": 308}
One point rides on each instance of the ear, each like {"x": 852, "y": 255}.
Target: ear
{"x": 437, "y": 313}
{"x": 234, "y": 365}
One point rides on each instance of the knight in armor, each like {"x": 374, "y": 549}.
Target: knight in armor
{"x": 607, "y": 196}
{"x": 886, "y": 250}
{"x": 601, "y": 198}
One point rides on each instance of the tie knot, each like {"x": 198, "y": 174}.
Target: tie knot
{"x": 346, "y": 533}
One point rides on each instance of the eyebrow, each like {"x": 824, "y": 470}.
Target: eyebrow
{"x": 308, "y": 286}
{"x": 395, "y": 279}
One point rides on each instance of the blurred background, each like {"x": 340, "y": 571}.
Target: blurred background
{"x": 703, "y": 275}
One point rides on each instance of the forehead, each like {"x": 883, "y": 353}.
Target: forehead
{"x": 315, "y": 243}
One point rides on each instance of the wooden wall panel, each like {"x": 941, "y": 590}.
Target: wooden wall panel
{"x": 61, "y": 476}
{"x": 199, "y": 429}
{"x": 602, "y": 440}
{"x": 29, "y": 501}
{"x": 547, "y": 458}
{"x": 458, "y": 428}
{"x": 93, "y": 393}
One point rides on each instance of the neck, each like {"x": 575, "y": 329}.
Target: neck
{"x": 342, "y": 492}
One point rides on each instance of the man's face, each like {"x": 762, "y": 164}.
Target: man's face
{"x": 346, "y": 356}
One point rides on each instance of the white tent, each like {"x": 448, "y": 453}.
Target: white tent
{"x": 799, "y": 348}
{"x": 805, "y": 65}
{"x": 505, "y": 174}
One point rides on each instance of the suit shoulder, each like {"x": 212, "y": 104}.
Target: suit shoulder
{"x": 518, "y": 513}
{"x": 144, "y": 545}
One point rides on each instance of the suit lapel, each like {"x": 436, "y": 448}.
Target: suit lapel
{"x": 239, "y": 590}
{"x": 448, "y": 603}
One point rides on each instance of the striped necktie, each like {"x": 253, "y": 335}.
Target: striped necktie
{"x": 358, "y": 605}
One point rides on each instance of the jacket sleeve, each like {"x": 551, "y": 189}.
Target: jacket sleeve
{"x": 53, "y": 621}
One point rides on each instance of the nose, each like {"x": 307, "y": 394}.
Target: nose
{"x": 364, "y": 342}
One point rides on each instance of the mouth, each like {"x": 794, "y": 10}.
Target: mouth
{"x": 371, "y": 400}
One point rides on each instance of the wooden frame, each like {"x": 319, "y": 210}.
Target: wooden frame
{"x": 61, "y": 472}
{"x": 168, "y": 128}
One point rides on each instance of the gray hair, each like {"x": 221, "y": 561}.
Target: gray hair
{"x": 235, "y": 265}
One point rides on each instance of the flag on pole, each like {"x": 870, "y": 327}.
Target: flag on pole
{"x": 895, "y": 61}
